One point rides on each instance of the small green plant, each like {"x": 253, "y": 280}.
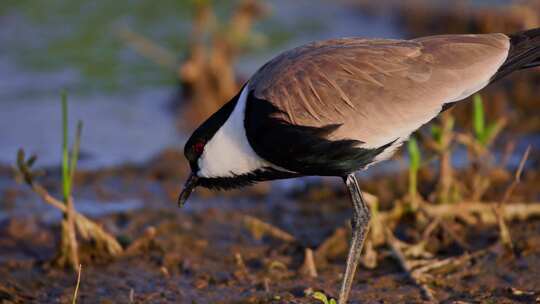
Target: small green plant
{"x": 440, "y": 131}
{"x": 414, "y": 166}
{"x": 72, "y": 221}
{"x": 69, "y": 254}
{"x": 484, "y": 133}
{"x": 478, "y": 143}
{"x": 323, "y": 298}
{"x": 69, "y": 160}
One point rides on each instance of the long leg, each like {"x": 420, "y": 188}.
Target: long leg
{"x": 360, "y": 225}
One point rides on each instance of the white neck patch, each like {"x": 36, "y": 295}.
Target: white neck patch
{"x": 228, "y": 153}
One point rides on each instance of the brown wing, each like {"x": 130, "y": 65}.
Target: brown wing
{"x": 378, "y": 90}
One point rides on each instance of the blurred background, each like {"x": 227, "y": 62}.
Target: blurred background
{"x": 122, "y": 64}
{"x": 141, "y": 75}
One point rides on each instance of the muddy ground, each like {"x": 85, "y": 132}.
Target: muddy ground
{"x": 206, "y": 254}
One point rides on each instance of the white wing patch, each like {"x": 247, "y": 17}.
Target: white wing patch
{"x": 228, "y": 153}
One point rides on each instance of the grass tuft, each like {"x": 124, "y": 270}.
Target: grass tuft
{"x": 484, "y": 132}
{"x": 69, "y": 160}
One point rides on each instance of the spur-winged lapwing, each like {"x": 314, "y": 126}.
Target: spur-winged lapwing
{"x": 334, "y": 107}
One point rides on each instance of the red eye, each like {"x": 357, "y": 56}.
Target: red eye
{"x": 198, "y": 147}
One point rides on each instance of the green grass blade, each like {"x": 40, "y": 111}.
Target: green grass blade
{"x": 478, "y": 118}
{"x": 414, "y": 165}
{"x": 436, "y": 133}
{"x": 74, "y": 157}
{"x": 493, "y": 130}
{"x": 66, "y": 184}
{"x": 414, "y": 154}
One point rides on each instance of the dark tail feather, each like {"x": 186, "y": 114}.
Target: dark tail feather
{"x": 524, "y": 53}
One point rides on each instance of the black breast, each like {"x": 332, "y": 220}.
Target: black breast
{"x": 302, "y": 149}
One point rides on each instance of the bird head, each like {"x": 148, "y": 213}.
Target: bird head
{"x": 197, "y": 145}
{"x": 212, "y": 154}
{"x": 193, "y": 150}
{"x": 220, "y": 154}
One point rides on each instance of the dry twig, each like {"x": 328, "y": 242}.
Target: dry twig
{"x": 86, "y": 227}
{"x": 75, "y": 293}
{"x": 446, "y": 178}
{"x": 452, "y": 261}
{"x": 143, "y": 243}
{"x": 506, "y": 238}
{"x": 309, "y": 267}
{"x": 334, "y": 245}
{"x": 258, "y": 228}
{"x": 417, "y": 278}
{"x": 148, "y": 48}
{"x": 485, "y": 211}
{"x": 454, "y": 236}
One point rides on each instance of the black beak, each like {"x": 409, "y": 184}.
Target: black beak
{"x": 190, "y": 184}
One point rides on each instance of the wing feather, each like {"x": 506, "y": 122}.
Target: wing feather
{"x": 334, "y": 107}
{"x": 377, "y": 90}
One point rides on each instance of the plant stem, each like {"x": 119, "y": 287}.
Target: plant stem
{"x": 445, "y": 169}
{"x": 76, "y": 292}
{"x": 478, "y": 119}
{"x": 65, "y": 155}
{"x": 69, "y": 253}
